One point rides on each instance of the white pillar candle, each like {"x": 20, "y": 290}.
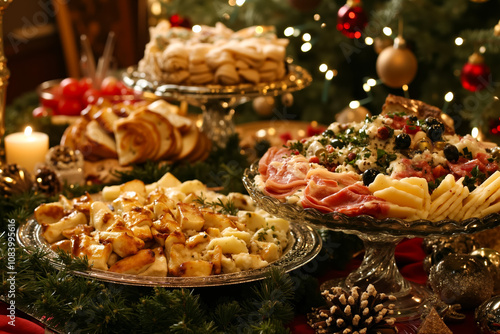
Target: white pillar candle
{"x": 26, "y": 149}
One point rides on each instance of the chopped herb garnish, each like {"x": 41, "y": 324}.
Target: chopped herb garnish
{"x": 297, "y": 145}
{"x": 328, "y": 133}
{"x": 227, "y": 208}
{"x": 434, "y": 184}
{"x": 466, "y": 153}
{"x": 477, "y": 177}
{"x": 384, "y": 158}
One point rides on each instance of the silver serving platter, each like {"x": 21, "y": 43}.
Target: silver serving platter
{"x": 304, "y": 244}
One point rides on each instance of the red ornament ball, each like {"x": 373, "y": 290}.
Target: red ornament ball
{"x": 495, "y": 127}
{"x": 476, "y": 75}
{"x": 351, "y": 19}
{"x": 178, "y": 21}
{"x": 304, "y": 5}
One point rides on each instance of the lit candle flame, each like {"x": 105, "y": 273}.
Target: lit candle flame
{"x": 28, "y": 131}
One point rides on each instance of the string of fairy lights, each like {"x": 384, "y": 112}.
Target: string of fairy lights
{"x": 329, "y": 72}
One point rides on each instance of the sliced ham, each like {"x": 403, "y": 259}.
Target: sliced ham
{"x": 287, "y": 176}
{"x": 351, "y": 200}
{"x": 273, "y": 154}
{"x": 340, "y": 192}
{"x": 328, "y": 182}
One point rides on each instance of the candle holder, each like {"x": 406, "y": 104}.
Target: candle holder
{"x": 4, "y": 71}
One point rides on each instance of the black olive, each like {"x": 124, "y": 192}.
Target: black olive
{"x": 369, "y": 176}
{"x": 451, "y": 153}
{"x": 403, "y": 140}
{"x": 337, "y": 143}
{"x": 434, "y": 132}
{"x": 413, "y": 118}
{"x": 430, "y": 121}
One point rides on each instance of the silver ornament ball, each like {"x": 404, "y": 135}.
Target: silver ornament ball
{"x": 491, "y": 259}
{"x": 487, "y": 316}
{"x": 461, "y": 279}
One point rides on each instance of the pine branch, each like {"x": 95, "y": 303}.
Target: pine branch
{"x": 473, "y": 39}
{"x": 148, "y": 172}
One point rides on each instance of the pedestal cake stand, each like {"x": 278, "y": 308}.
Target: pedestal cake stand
{"x": 380, "y": 238}
{"x": 217, "y": 101}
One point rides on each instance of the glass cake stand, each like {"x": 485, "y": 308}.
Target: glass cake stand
{"x": 217, "y": 101}
{"x": 380, "y": 238}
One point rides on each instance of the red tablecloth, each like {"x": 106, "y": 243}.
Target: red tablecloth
{"x": 409, "y": 256}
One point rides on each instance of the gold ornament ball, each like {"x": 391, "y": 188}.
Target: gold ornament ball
{"x": 496, "y": 30}
{"x": 287, "y": 99}
{"x": 264, "y": 105}
{"x": 396, "y": 66}
{"x": 349, "y": 115}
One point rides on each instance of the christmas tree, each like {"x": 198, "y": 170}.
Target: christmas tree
{"x": 442, "y": 35}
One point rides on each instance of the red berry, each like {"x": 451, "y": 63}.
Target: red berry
{"x": 71, "y": 88}
{"x": 70, "y": 107}
{"x": 91, "y": 96}
{"x": 110, "y": 86}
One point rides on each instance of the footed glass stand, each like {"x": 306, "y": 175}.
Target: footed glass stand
{"x": 379, "y": 268}
{"x": 217, "y": 101}
{"x": 380, "y": 238}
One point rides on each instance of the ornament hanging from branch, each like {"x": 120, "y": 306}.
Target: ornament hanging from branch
{"x": 352, "y": 19}
{"x": 264, "y": 105}
{"x": 397, "y": 65}
{"x": 476, "y": 75}
{"x": 178, "y": 21}
{"x": 496, "y": 30}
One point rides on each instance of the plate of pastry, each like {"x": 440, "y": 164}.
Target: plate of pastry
{"x": 169, "y": 233}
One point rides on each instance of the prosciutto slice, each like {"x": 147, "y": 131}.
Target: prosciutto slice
{"x": 286, "y": 176}
{"x": 273, "y": 154}
{"x": 334, "y": 192}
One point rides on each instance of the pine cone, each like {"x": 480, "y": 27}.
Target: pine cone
{"x": 46, "y": 181}
{"x": 353, "y": 312}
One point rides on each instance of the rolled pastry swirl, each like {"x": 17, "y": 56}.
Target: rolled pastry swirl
{"x": 137, "y": 140}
